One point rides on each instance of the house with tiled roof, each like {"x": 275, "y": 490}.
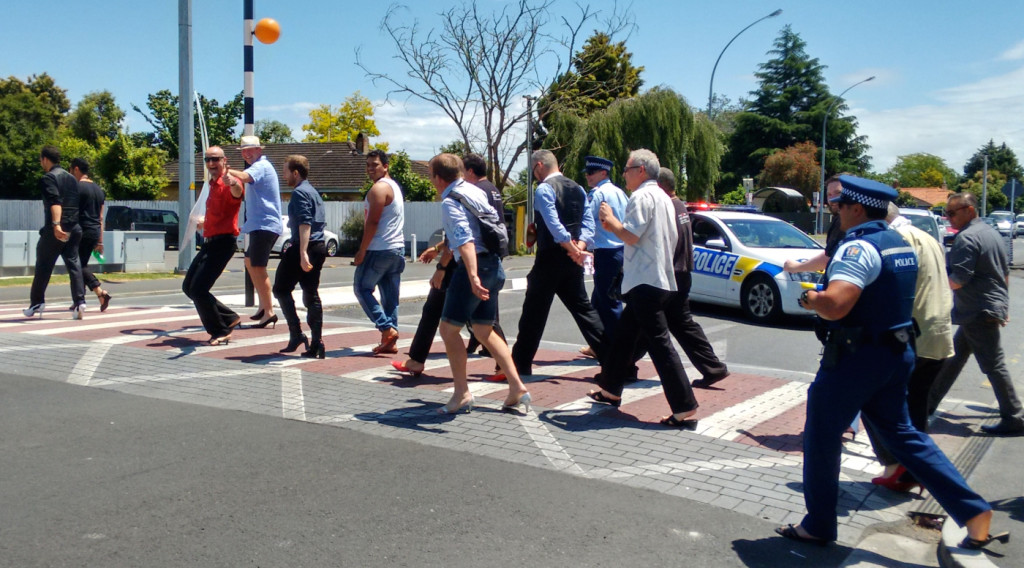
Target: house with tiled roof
{"x": 336, "y": 169}
{"x": 928, "y": 197}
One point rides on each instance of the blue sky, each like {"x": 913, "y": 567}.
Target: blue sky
{"x": 950, "y": 74}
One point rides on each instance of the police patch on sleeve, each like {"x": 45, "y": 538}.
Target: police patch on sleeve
{"x": 853, "y": 253}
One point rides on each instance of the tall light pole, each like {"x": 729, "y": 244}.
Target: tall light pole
{"x": 711, "y": 87}
{"x": 186, "y": 130}
{"x": 819, "y": 220}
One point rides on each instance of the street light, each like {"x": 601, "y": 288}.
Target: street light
{"x": 711, "y": 87}
{"x": 820, "y": 218}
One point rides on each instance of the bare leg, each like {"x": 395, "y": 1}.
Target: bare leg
{"x": 457, "y": 357}
{"x": 502, "y": 356}
{"x": 414, "y": 365}
{"x": 978, "y": 525}
{"x": 261, "y": 282}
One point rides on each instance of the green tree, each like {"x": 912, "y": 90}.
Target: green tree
{"x": 221, "y": 121}
{"x": 794, "y": 167}
{"x": 273, "y": 132}
{"x": 95, "y": 117}
{"x": 45, "y": 90}
{"x": 920, "y": 170}
{"x": 414, "y": 186}
{"x": 25, "y": 127}
{"x": 659, "y": 120}
{"x": 602, "y": 72}
{"x": 996, "y": 199}
{"x": 353, "y": 116}
{"x": 999, "y": 158}
{"x": 457, "y": 147}
{"x": 789, "y": 107}
{"x": 131, "y": 172}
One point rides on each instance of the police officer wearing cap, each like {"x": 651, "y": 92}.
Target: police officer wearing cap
{"x": 867, "y": 330}
{"x": 607, "y": 248}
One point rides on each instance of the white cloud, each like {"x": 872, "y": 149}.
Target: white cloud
{"x": 1014, "y": 53}
{"x": 962, "y": 119}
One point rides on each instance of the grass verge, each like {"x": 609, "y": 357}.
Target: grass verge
{"x": 103, "y": 277}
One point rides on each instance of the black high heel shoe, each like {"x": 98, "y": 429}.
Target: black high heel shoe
{"x": 294, "y": 343}
{"x": 271, "y": 321}
{"x": 316, "y": 351}
{"x": 258, "y": 316}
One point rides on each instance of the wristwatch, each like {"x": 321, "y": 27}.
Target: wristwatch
{"x": 804, "y": 297}
{"x": 439, "y": 267}
{"x": 56, "y": 223}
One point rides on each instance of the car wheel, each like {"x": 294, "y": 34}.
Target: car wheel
{"x": 761, "y": 299}
{"x": 332, "y": 247}
{"x": 285, "y": 246}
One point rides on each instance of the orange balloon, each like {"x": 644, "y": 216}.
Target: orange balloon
{"x": 267, "y": 30}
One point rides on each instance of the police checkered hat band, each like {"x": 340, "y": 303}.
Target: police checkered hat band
{"x": 867, "y": 192}
{"x": 594, "y": 163}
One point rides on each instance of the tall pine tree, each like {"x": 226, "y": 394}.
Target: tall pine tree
{"x": 788, "y": 108}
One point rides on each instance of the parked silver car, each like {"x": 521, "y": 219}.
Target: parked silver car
{"x": 1004, "y": 222}
{"x": 285, "y": 240}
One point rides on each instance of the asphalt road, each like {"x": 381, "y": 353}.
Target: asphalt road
{"x": 99, "y": 478}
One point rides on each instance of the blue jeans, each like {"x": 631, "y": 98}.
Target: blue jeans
{"x": 380, "y": 269}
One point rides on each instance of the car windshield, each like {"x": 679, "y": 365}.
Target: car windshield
{"x": 1020, "y": 218}
{"x": 1000, "y": 217}
{"x": 765, "y": 233}
{"x": 923, "y": 222}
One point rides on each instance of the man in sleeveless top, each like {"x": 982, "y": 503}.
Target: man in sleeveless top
{"x": 381, "y": 257}
{"x": 90, "y": 216}
{"x": 561, "y": 218}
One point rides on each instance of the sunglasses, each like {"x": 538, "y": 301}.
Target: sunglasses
{"x": 213, "y": 159}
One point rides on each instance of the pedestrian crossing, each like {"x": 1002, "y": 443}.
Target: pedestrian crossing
{"x": 748, "y": 407}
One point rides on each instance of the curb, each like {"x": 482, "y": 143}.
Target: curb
{"x": 952, "y": 556}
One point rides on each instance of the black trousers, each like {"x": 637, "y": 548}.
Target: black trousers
{"x": 290, "y": 273}
{"x": 554, "y": 274}
{"x": 202, "y": 274}
{"x": 646, "y": 315}
{"x": 47, "y": 251}
{"x": 85, "y": 248}
{"x": 687, "y": 332}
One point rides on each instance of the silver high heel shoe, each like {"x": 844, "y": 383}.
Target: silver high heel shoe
{"x": 524, "y": 400}
{"x": 33, "y": 310}
{"x": 467, "y": 408}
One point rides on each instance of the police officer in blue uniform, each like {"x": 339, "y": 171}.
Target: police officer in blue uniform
{"x": 865, "y": 324}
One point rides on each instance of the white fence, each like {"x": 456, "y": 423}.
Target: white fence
{"x": 421, "y": 218}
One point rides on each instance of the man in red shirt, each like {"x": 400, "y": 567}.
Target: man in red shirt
{"x": 219, "y": 227}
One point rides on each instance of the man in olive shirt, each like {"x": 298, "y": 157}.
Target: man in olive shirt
{"x": 979, "y": 274}
{"x": 59, "y": 236}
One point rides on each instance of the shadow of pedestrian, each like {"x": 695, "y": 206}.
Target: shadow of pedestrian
{"x": 419, "y": 417}
{"x": 606, "y": 419}
{"x": 771, "y": 552}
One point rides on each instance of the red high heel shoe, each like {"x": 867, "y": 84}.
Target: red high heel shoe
{"x": 401, "y": 368}
{"x": 883, "y": 480}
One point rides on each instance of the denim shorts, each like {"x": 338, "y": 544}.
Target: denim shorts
{"x": 260, "y": 243}
{"x": 461, "y": 305}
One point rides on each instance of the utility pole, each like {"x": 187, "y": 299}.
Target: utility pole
{"x": 984, "y": 190}
{"x": 186, "y": 131}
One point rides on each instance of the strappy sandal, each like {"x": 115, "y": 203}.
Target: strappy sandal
{"x": 598, "y": 396}
{"x": 672, "y": 422}
{"x": 972, "y": 544}
{"x": 790, "y": 532}
{"x": 223, "y": 340}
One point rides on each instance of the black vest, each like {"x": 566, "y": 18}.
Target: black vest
{"x": 570, "y": 201}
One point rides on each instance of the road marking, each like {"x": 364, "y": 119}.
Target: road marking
{"x": 87, "y": 364}
{"x": 198, "y": 375}
{"x": 75, "y": 327}
{"x": 293, "y": 401}
{"x": 548, "y": 444}
{"x": 89, "y": 316}
{"x": 727, "y": 423}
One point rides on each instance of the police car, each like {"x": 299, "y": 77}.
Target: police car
{"x": 738, "y": 260}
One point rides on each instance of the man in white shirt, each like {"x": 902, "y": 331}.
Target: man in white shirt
{"x": 648, "y": 285}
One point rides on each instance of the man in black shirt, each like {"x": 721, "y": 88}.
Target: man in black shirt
{"x": 90, "y": 216}
{"x": 59, "y": 236}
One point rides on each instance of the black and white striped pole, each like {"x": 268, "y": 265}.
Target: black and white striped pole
{"x": 267, "y": 31}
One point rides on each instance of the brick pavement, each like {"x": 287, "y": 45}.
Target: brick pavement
{"x": 744, "y": 456}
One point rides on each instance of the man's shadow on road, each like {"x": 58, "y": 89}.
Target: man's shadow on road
{"x": 771, "y": 552}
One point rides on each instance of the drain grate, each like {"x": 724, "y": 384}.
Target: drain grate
{"x": 965, "y": 462}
